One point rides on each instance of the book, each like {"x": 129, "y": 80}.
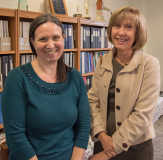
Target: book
{"x": 82, "y": 35}
{"x": 99, "y": 39}
{"x": 86, "y": 62}
{"x": 96, "y": 37}
{"x": 69, "y": 35}
{"x": 106, "y": 41}
{"x": 1, "y": 28}
{"x": 83, "y": 62}
{"x": 4, "y": 67}
{"x": 20, "y": 29}
{"x": 87, "y": 36}
{"x": 66, "y": 36}
{"x": 21, "y": 43}
{"x": 26, "y": 26}
{"x": 27, "y": 58}
{"x": 73, "y": 60}
{"x": 87, "y": 83}
{"x": 91, "y": 38}
{"x": 10, "y": 62}
{"x": 90, "y": 81}
{"x": 84, "y": 78}
{"x": 22, "y": 59}
{"x": 74, "y": 39}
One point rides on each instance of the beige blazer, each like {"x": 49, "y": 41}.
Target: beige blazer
{"x": 136, "y": 94}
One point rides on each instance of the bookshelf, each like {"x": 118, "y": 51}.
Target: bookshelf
{"x": 91, "y": 23}
{"x": 11, "y": 16}
{"x": 15, "y": 16}
{"x": 24, "y": 16}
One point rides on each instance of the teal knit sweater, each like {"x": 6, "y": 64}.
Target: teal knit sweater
{"x": 44, "y": 119}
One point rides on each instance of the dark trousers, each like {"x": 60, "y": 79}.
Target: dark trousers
{"x": 142, "y": 151}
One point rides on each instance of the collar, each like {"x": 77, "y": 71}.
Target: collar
{"x": 107, "y": 61}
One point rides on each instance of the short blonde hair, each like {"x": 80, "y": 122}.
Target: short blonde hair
{"x": 135, "y": 16}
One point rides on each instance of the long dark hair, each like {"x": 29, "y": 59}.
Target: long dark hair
{"x": 61, "y": 66}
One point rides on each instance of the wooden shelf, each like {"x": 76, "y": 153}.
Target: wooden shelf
{"x": 7, "y": 12}
{"x": 70, "y": 50}
{"x": 67, "y": 19}
{"x": 25, "y": 51}
{"x": 1, "y": 126}
{"x": 88, "y": 74}
{"x": 93, "y": 23}
{"x": 7, "y": 52}
{"x": 28, "y": 14}
{"x": 95, "y": 49}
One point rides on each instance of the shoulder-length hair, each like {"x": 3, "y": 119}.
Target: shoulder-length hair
{"x": 61, "y": 66}
{"x": 129, "y": 13}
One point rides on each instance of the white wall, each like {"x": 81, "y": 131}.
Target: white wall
{"x": 152, "y": 10}
{"x": 154, "y": 16}
{"x": 39, "y": 6}
{"x": 153, "y": 13}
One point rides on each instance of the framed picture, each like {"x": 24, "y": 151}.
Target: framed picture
{"x": 58, "y": 7}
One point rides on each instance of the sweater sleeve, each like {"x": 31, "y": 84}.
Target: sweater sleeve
{"x": 82, "y": 125}
{"x": 14, "y": 110}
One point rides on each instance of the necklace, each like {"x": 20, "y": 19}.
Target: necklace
{"x": 115, "y": 56}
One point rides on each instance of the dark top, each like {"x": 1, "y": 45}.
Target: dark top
{"x": 111, "y": 128}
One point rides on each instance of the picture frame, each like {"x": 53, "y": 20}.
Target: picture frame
{"x": 58, "y": 7}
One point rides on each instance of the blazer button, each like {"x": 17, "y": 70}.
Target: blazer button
{"x": 119, "y": 123}
{"x": 118, "y": 107}
{"x": 125, "y": 145}
{"x": 118, "y": 90}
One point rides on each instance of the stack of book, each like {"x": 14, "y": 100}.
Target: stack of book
{"x": 5, "y": 40}
{"x": 88, "y": 81}
{"x": 6, "y": 65}
{"x": 24, "y": 36}
{"x": 69, "y": 59}
{"x": 69, "y": 41}
{"x": 26, "y": 58}
{"x": 94, "y": 37}
{"x": 88, "y": 61}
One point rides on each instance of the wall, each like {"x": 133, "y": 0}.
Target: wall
{"x": 39, "y": 6}
{"x": 153, "y": 13}
{"x": 152, "y": 10}
{"x": 154, "y": 16}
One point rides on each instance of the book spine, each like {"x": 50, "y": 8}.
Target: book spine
{"x": 69, "y": 36}
{"x": 10, "y": 63}
{"x": 4, "y": 67}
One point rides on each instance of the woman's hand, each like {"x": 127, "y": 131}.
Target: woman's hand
{"x": 107, "y": 143}
{"x": 34, "y": 158}
{"x": 100, "y": 156}
{"x": 77, "y": 153}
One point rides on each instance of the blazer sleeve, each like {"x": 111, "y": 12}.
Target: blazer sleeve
{"x": 97, "y": 124}
{"x": 14, "y": 108}
{"x": 141, "y": 118}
